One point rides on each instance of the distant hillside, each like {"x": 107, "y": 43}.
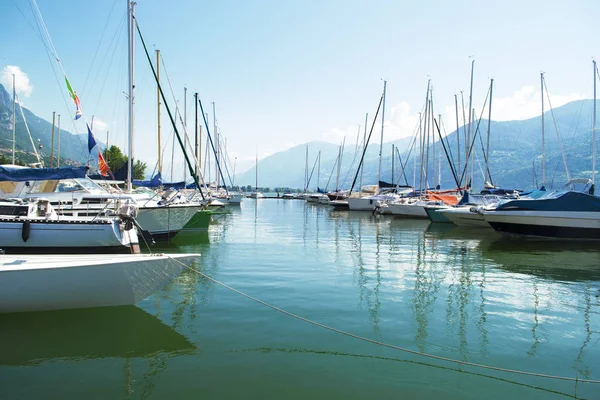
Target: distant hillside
{"x": 73, "y": 148}
{"x": 515, "y": 155}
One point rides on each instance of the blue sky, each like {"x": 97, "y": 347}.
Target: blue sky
{"x": 283, "y": 73}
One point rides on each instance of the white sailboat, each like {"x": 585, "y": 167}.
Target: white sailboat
{"x": 55, "y": 282}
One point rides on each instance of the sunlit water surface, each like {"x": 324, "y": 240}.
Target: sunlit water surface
{"x": 464, "y": 294}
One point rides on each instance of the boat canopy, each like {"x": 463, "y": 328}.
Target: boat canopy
{"x": 566, "y": 201}
{"x": 22, "y": 174}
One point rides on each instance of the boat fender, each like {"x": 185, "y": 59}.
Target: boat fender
{"x": 26, "y": 230}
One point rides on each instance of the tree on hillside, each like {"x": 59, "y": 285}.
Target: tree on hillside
{"x": 4, "y": 160}
{"x": 115, "y": 159}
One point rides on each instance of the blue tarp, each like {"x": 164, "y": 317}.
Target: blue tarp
{"x": 16, "y": 174}
{"x": 156, "y": 181}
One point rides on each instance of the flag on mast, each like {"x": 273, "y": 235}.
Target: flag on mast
{"x": 91, "y": 140}
{"x": 102, "y": 165}
{"x": 78, "y": 112}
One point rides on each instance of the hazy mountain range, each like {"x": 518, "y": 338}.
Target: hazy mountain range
{"x": 515, "y": 159}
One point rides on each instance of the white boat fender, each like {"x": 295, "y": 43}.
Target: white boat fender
{"x": 25, "y": 230}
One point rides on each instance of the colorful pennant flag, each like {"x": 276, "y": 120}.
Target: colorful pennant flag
{"x": 78, "y": 112}
{"x": 103, "y": 166}
{"x": 91, "y": 140}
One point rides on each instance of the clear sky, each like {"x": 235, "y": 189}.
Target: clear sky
{"x": 284, "y": 72}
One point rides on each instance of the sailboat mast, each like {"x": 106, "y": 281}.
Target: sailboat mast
{"x": 318, "y": 170}
{"x": 14, "y": 121}
{"x": 381, "y": 140}
{"x": 130, "y": 50}
{"x": 594, "y": 130}
{"x": 217, "y": 145}
{"x": 457, "y": 131}
{"x": 52, "y": 142}
{"x": 196, "y": 149}
{"x": 362, "y": 168}
{"x": 159, "y": 166}
{"x": 256, "y": 183}
{"x": 543, "y": 139}
{"x": 306, "y": 171}
{"x": 392, "y": 164}
{"x": 487, "y": 150}
{"x": 58, "y": 150}
{"x": 470, "y": 114}
{"x": 184, "y": 129}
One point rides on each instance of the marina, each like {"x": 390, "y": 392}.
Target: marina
{"x": 473, "y": 296}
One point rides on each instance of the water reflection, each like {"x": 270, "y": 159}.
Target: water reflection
{"x": 108, "y": 332}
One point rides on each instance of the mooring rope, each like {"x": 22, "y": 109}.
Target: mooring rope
{"x": 391, "y": 346}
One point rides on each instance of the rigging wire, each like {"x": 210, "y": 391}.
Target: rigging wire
{"x": 98, "y": 47}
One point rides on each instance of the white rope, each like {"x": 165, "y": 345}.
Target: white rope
{"x": 391, "y": 346}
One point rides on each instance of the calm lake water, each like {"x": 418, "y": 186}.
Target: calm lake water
{"x": 469, "y": 295}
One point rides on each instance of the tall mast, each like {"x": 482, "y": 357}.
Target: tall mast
{"x": 381, "y": 140}
{"x": 305, "y": 171}
{"x": 58, "y": 150}
{"x": 487, "y": 150}
{"x": 543, "y": 139}
{"x": 256, "y": 183}
{"x": 196, "y": 149}
{"x": 457, "y": 131}
{"x": 14, "y": 121}
{"x": 318, "y": 170}
{"x": 392, "y": 164}
{"x": 159, "y": 166}
{"x": 52, "y": 143}
{"x": 217, "y": 145}
{"x": 471, "y": 115}
{"x": 362, "y": 167}
{"x": 130, "y": 51}
{"x": 184, "y": 129}
{"x": 594, "y": 130}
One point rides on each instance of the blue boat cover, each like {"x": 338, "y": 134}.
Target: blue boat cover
{"x": 156, "y": 181}
{"x": 565, "y": 201}
{"x": 16, "y": 174}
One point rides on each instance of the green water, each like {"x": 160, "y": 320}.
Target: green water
{"x": 469, "y": 295}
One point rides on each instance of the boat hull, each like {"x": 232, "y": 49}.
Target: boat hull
{"x": 166, "y": 221}
{"x": 436, "y": 216}
{"x": 406, "y": 210}
{"x": 63, "y": 236}
{"x": 464, "y": 217}
{"x": 51, "y": 282}
{"x": 362, "y": 203}
{"x": 563, "y": 225}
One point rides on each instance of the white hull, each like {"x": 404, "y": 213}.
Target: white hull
{"x": 62, "y": 234}
{"x": 405, "y": 210}
{"x": 51, "y": 282}
{"x": 564, "y": 219}
{"x": 256, "y": 195}
{"x": 166, "y": 220}
{"x": 463, "y": 216}
{"x": 236, "y": 199}
{"x": 363, "y": 203}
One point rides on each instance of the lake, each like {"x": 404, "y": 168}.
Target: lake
{"x": 469, "y": 295}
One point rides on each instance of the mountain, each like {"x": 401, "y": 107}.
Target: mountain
{"x": 515, "y": 155}
{"x": 73, "y": 147}
{"x": 287, "y": 168}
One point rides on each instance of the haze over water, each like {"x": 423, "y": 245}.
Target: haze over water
{"x": 469, "y": 295}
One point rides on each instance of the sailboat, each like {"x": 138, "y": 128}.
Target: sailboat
{"x": 371, "y": 197}
{"x": 566, "y": 214}
{"x": 33, "y": 225}
{"x": 256, "y": 194}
